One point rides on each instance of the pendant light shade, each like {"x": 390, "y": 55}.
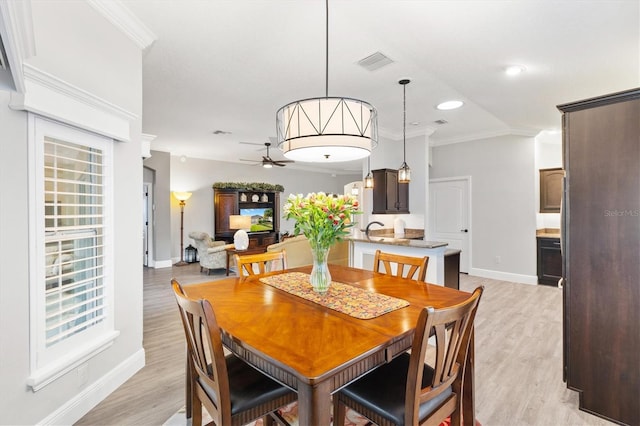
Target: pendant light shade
{"x": 368, "y": 179}
{"x": 404, "y": 172}
{"x": 327, "y": 129}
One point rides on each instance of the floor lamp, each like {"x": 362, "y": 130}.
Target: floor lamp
{"x": 182, "y": 197}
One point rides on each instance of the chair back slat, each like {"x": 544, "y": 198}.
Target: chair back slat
{"x": 265, "y": 262}
{"x": 452, "y": 328}
{"x": 416, "y": 266}
{"x": 204, "y": 345}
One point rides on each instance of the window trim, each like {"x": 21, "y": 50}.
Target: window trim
{"x": 48, "y": 364}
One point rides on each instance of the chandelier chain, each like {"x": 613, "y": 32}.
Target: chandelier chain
{"x": 404, "y": 123}
{"x": 326, "y": 83}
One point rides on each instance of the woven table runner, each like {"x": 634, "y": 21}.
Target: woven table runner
{"x": 340, "y": 297}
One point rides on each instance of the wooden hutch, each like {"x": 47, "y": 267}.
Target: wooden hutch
{"x": 229, "y": 200}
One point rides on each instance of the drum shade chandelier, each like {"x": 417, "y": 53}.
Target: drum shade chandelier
{"x": 404, "y": 172}
{"x": 328, "y": 129}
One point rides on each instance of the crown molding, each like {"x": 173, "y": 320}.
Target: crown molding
{"x": 388, "y": 134}
{"x": 52, "y": 97}
{"x": 16, "y": 31}
{"x": 121, "y": 17}
{"x": 486, "y": 135}
{"x": 146, "y": 144}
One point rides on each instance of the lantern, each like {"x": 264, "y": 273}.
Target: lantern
{"x": 190, "y": 254}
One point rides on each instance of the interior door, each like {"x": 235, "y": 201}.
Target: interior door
{"x": 449, "y": 213}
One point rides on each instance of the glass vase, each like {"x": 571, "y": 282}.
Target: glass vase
{"x": 320, "y": 276}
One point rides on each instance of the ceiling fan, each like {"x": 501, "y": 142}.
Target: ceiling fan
{"x": 268, "y": 162}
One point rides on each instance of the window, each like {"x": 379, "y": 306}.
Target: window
{"x": 71, "y": 283}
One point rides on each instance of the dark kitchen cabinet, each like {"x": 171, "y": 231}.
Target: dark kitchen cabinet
{"x": 601, "y": 242}
{"x": 549, "y": 261}
{"x": 551, "y": 190}
{"x": 389, "y": 196}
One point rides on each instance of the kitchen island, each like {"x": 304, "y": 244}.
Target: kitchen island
{"x": 363, "y": 248}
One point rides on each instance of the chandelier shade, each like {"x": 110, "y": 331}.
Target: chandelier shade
{"x": 327, "y": 129}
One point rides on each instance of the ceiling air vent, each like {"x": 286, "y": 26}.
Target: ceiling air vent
{"x": 375, "y": 61}
{"x": 441, "y": 121}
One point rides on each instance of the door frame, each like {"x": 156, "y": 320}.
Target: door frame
{"x": 147, "y": 188}
{"x": 467, "y": 180}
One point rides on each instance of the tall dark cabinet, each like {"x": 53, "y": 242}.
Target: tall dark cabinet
{"x": 601, "y": 243}
{"x": 227, "y": 202}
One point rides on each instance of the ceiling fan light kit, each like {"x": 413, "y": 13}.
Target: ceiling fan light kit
{"x": 327, "y": 129}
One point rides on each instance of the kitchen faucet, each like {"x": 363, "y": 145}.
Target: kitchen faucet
{"x": 369, "y": 225}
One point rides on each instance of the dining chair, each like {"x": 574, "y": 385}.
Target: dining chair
{"x": 415, "y": 265}
{"x": 232, "y": 392}
{"x": 265, "y": 262}
{"x": 410, "y": 391}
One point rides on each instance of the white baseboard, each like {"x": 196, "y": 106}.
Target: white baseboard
{"x": 163, "y": 264}
{"x": 82, "y": 403}
{"x": 504, "y": 276}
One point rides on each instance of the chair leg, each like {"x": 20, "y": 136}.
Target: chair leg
{"x": 196, "y": 407}
{"x": 188, "y": 389}
{"x": 339, "y": 412}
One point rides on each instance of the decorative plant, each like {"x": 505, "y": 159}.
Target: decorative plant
{"x": 323, "y": 219}
{"x": 250, "y": 186}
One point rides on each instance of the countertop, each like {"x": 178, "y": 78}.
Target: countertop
{"x": 548, "y": 233}
{"x": 393, "y": 239}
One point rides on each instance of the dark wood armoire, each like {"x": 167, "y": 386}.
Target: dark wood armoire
{"x": 601, "y": 243}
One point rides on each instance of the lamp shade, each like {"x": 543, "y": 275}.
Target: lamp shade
{"x": 182, "y": 196}
{"x": 327, "y": 129}
{"x": 237, "y": 221}
{"x": 242, "y": 224}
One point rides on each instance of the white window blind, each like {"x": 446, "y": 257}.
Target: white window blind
{"x": 72, "y": 285}
{"x": 73, "y": 183}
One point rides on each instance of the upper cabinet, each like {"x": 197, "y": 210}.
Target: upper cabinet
{"x": 389, "y": 196}
{"x": 551, "y": 190}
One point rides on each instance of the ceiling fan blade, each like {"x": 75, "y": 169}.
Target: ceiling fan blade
{"x": 251, "y": 143}
{"x": 278, "y": 163}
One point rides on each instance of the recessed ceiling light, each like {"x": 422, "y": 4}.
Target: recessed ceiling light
{"x": 514, "y": 69}
{"x": 415, "y": 123}
{"x": 449, "y": 105}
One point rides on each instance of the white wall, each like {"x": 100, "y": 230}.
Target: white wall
{"x": 548, "y": 155}
{"x": 197, "y": 176}
{"x": 79, "y": 46}
{"x": 388, "y": 155}
{"x": 503, "y": 220}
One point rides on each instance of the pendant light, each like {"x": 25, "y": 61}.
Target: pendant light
{"x": 404, "y": 172}
{"x": 327, "y": 129}
{"x": 368, "y": 179}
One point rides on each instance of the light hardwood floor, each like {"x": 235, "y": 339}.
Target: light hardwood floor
{"x": 518, "y": 357}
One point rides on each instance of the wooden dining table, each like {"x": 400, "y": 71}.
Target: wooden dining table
{"x": 316, "y": 350}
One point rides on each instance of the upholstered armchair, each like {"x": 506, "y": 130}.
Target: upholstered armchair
{"x": 212, "y": 253}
